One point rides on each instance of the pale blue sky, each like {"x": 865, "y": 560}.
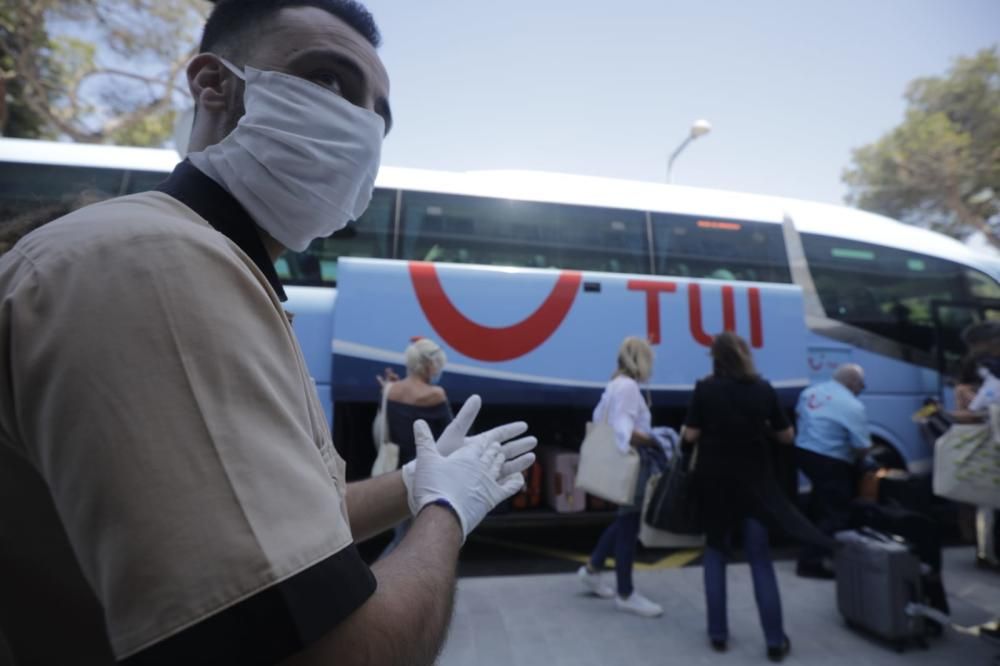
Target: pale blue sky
{"x": 611, "y": 88}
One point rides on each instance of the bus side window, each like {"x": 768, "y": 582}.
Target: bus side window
{"x": 29, "y": 189}
{"x": 890, "y": 292}
{"x": 32, "y": 195}
{"x": 502, "y": 232}
{"x": 369, "y": 236}
{"x": 142, "y": 181}
{"x": 692, "y": 246}
{"x": 982, "y": 285}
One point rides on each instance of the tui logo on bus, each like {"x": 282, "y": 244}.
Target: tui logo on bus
{"x": 487, "y": 343}
{"x": 654, "y": 288}
{"x": 497, "y": 344}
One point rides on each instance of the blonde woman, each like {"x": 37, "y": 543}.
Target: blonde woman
{"x": 623, "y": 406}
{"x": 416, "y": 397}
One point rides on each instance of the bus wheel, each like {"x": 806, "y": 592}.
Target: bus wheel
{"x": 885, "y": 455}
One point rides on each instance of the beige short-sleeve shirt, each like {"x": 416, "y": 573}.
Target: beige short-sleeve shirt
{"x": 151, "y": 380}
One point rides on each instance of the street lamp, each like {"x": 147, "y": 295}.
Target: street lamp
{"x": 699, "y": 128}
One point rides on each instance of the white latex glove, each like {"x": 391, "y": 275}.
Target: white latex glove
{"x": 453, "y": 438}
{"x": 469, "y": 480}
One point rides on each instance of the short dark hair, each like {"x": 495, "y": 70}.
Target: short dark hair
{"x": 731, "y": 358}
{"x": 235, "y": 24}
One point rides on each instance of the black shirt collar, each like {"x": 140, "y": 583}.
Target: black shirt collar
{"x": 207, "y": 198}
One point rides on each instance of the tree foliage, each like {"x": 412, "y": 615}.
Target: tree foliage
{"x": 940, "y": 168}
{"x": 96, "y": 71}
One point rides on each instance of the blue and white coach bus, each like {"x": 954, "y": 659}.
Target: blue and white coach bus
{"x": 531, "y": 280}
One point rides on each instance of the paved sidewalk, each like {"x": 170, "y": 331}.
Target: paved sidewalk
{"x": 545, "y": 620}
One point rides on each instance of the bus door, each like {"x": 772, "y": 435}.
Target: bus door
{"x": 950, "y": 318}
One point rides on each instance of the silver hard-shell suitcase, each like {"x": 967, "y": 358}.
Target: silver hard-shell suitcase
{"x": 877, "y": 577}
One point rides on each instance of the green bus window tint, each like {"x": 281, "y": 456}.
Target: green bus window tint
{"x": 281, "y": 268}
{"x": 143, "y": 181}
{"x": 890, "y": 292}
{"x": 370, "y": 236}
{"x": 39, "y": 193}
{"x": 503, "y": 232}
{"x": 700, "y": 247}
{"x": 982, "y": 285}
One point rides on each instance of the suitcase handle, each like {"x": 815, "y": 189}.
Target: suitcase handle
{"x": 876, "y": 535}
{"x": 887, "y": 537}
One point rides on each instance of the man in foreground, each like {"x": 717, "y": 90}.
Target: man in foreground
{"x": 170, "y": 492}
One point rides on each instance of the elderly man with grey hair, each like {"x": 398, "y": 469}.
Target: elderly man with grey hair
{"x": 832, "y": 436}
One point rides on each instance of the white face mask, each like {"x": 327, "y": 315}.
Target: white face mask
{"x": 302, "y": 160}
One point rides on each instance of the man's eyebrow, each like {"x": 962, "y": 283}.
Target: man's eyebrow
{"x": 314, "y": 56}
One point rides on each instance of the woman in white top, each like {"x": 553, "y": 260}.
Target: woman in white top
{"x": 623, "y": 406}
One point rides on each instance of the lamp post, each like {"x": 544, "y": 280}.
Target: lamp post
{"x": 699, "y": 128}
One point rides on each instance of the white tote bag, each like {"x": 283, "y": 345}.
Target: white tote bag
{"x": 387, "y": 458}
{"x": 967, "y": 463}
{"x": 650, "y": 537}
{"x": 604, "y": 470}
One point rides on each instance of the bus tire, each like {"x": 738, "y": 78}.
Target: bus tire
{"x": 886, "y": 455}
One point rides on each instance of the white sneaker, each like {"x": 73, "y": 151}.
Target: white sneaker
{"x": 640, "y": 605}
{"x": 592, "y": 583}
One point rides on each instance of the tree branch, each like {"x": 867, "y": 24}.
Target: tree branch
{"x": 157, "y": 105}
{"x": 967, "y": 217}
{"x": 167, "y": 83}
{"x": 34, "y": 93}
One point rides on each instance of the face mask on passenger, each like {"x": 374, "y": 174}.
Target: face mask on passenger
{"x": 302, "y": 160}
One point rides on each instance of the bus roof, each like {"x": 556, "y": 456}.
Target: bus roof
{"x": 809, "y": 217}
{"x": 93, "y": 155}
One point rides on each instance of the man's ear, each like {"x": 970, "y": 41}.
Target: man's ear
{"x": 210, "y": 83}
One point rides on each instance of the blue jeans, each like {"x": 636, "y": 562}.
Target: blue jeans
{"x": 765, "y": 586}
{"x": 620, "y": 536}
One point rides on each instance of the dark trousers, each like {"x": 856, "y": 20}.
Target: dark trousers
{"x": 619, "y": 538}
{"x": 833, "y": 490}
{"x": 765, "y": 586}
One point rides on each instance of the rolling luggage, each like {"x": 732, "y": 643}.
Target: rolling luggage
{"x": 877, "y": 577}
{"x": 918, "y": 530}
{"x": 922, "y": 534}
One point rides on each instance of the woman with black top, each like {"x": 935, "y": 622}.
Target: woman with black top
{"x": 415, "y": 397}
{"x": 734, "y": 414}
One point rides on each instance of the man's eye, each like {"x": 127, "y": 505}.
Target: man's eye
{"x": 328, "y": 80}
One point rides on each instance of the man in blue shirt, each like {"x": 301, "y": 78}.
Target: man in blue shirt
{"x": 832, "y": 436}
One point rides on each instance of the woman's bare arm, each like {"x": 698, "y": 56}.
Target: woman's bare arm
{"x": 641, "y": 439}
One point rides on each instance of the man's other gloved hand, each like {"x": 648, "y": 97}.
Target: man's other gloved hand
{"x": 469, "y": 480}
{"x": 454, "y": 438}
